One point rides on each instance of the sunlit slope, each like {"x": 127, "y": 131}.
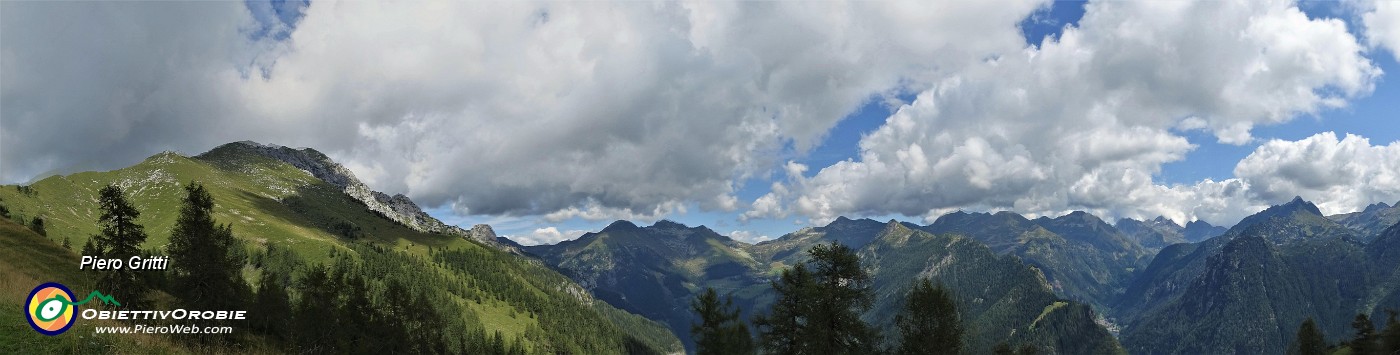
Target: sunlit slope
{"x": 269, "y": 202}
{"x": 28, "y": 260}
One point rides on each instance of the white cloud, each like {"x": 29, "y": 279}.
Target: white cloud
{"x": 748, "y": 237}
{"x": 547, "y": 235}
{"x": 593, "y": 211}
{"x": 502, "y": 108}
{"x": 1084, "y": 123}
{"x": 633, "y": 110}
{"x": 1339, "y": 175}
{"x": 1382, "y": 23}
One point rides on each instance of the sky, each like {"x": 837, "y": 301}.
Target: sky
{"x": 548, "y": 120}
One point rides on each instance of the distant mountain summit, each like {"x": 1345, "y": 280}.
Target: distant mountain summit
{"x": 1296, "y": 207}
{"x": 1370, "y": 222}
{"x": 1160, "y": 232}
{"x": 790, "y": 249}
{"x": 398, "y": 207}
{"x": 1196, "y": 231}
{"x": 656, "y": 270}
{"x": 1248, "y": 290}
{"x": 1154, "y": 234}
{"x": 1082, "y": 257}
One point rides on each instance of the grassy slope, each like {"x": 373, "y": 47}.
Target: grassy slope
{"x": 253, "y": 194}
{"x": 27, "y": 260}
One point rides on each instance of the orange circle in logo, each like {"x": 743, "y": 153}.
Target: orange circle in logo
{"x": 50, "y": 308}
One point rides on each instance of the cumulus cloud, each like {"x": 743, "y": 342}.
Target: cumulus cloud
{"x": 1086, "y": 121}
{"x": 601, "y": 111}
{"x": 546, "y": 235}
{"x": 1341, "y": 175}
{"x": 1382, "y": 23}
{"x": 504, "y": 108}
{"x": 748, "y": 237}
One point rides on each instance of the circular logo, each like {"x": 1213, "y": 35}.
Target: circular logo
{"x": 50, "y": 309}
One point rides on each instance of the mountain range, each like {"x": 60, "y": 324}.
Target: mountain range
{"x": 1066, "y": 284}
{"x": 1156, "y": 285}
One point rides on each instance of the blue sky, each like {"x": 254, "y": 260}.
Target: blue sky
{"x": 546, "y": 127}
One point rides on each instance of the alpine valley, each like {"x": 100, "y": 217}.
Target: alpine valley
{"x": 1071, "y": 284}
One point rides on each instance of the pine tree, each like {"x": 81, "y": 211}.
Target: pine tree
{"x": 396, "y": 314}
{"x": 720, "y": 331}
{"x": 90, "y": 248}
{"x": 37, "y": 225}
{"x": 272, "y": 309}
{"x": 205, "y": 259}
{"x": 1390, "y": 337}
{"x": 120, "y": 238}
{"x": 930, "y": 323}
{"x": 783, "y": 330}
{"x": 316, "y": 314}
{"x": 1365, "y": 340}
{"x": 1310, "y": 339}
{"x": 844, "y": 292}
{"x": 819, "y": 311}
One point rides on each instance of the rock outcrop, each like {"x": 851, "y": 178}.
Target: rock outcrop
{"x": 398, "y": 207}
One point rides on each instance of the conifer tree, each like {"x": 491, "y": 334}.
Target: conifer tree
{"x": 1365, "y": 340}
{"x": 843, "y": 293}
{"x": 203, "y": 256}
{"x": 1390, "y": 337}
{"x": 271, "y": 312}
{"x": 120, "y": 238}
{"x": 930, "y": 323}
{"x": 783, "y": 329}
{"x": 1311, "y": 341}
{"x": 37, "y": 225}
{"x": 818, "y": 311}
{"x": 315, "y": 312}
{"x": 720, "y": 331}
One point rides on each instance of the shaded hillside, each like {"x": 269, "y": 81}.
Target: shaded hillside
{"x": 1247, "y": 290}
{"x": 1091, "y": 261}
{"x": 1370, "y": 222}
{"x": 1000, "y": 299}
{"x": 656, "y": 271}
{"x": 791, "y": 248}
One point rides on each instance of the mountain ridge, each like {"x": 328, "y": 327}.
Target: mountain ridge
{"x": 398, "y": 207}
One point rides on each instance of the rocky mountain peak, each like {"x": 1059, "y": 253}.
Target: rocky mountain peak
{"x": 1298, "y": 204}
{"x": 482, "y": 232}
{"x": 1163, "y": 221}
{"x": 1375, "y": 207}
{"x": 398, "y": 207}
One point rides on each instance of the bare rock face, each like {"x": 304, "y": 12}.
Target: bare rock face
{"x": 398, "y": 208}
{"x": 482, "y": 232}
